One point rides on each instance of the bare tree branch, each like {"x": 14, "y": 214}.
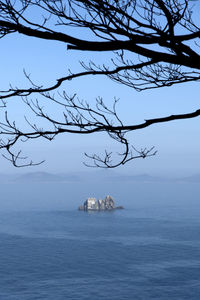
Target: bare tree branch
{"x": 80, "y": 118}
{"x": 154, "y": 44}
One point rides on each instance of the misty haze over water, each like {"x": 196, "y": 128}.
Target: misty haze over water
{"x": 46, "y": 191}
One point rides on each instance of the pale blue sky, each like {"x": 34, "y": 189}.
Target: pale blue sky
{"x": 177, "y": 142}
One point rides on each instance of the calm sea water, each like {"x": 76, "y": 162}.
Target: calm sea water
{"x": 146, "y": 252}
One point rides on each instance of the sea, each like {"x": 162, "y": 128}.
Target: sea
{"x": 148, "y": 250}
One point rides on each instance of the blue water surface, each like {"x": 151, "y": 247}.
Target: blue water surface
{"x": 142, "y": 252}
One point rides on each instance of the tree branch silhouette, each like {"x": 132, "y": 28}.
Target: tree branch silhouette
{"x": 154, "y": 44}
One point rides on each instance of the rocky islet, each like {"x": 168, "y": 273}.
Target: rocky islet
{"x": 92, "y": 204}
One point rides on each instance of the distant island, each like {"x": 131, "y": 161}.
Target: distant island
{"x": 92, "y": 204}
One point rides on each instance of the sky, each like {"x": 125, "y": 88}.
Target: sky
{"x": 177, "y": 143}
